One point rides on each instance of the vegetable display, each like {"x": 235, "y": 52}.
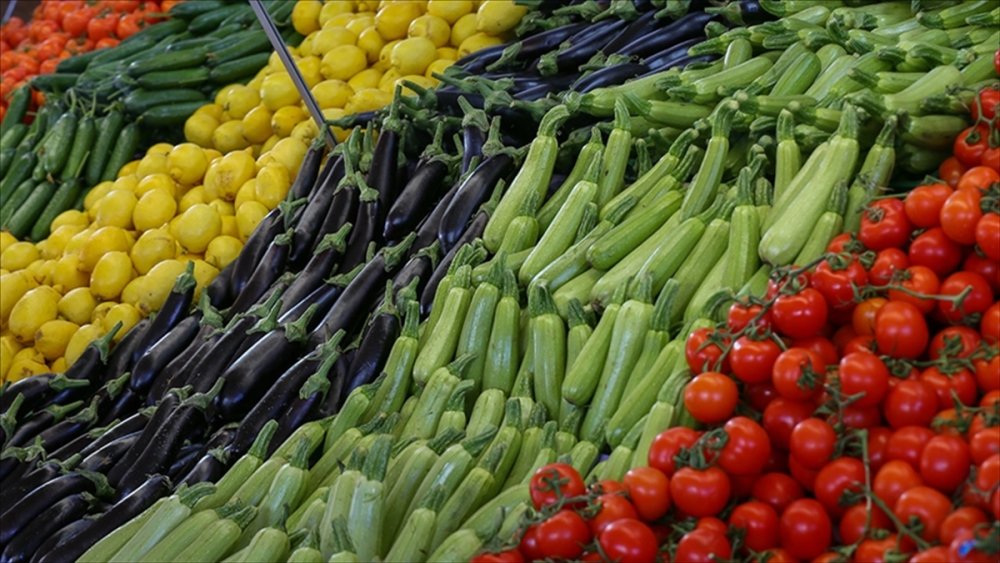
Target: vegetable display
{"x": 651, "y": 281}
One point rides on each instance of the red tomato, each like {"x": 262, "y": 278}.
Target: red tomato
{"x": 554, "y": 482}
{"x": 863, "y": 318}
{"x": 991, "y": 158}
{"x": 703, "y": 350}
{"x": 977, "y": 291}
{"x": 923, "y": 204}
{"x": 777, "y": 490}
{"x": 907, "y": 444}
{"x": 613, "y": 508}
{"x": 987, "y": 479}
{"x": 989, "y": 327}
{"x": 984, "y": 444}
{"x": 649, "y": 490}
{"x": 976, "y": 262}
{"x": 129, "y": 25}
{"x": 800, "y": 315}
{"x": 712, "y": 523}
{"x": 751, "y": 360}
{"x": 960, "y": 384}
{"x": 910, "y": 403}
{"x": 885, "y": 225}
{"x": 964, "y": 518}
{"x": 954, "y": 342}
{"x": 970, "y": 144}
{"x": 935, "y": 250}
{"x": 988, "y": 374}
{"x": 711, "y": 397}
{"x": 978, "y": 178}
{"x": 759, "y": 396}
{"x": 529, "y": 546}
{"x": 805, "y": 529}
{"x": 798, "y": 374}
{"x": 985, "y": 104}
{"x": 860, "y": 344}
{"x": 900, "y": 330}
{"x": 914, "y": 281}
{"x": 668, "y": 444}
{"x": 854, "y": 523}
{"x": 509, "y": 556}
{"x": 812, "y": 443}
{"x": 101, "y": 28}
{"x": 628, "y": 541}
{"x": 878, "y": 445}
{"x": 960, "y": 214}
{"x": 759, "y": 520}
{"x": 886, "y": 263}
{"x": 893, "y": 479}
{"x": 781, "y": 417}
{"x": 840, "y": 243}
{"x": 563, "y": 535}
{"x": 839, "y": 477}
{"x": 742, "y": 314}
{"x": 927, "y": 505}
{"x": 703, "y": 546}
{"x": 936, "y": 554}
{"x": 700, "y": 492}
{"x": 747, "y": 447}
{"x": 883, "y": 550}
{"x": 608, "y": 487}
{"x": 837, "y": 282}
{"x": 863, "y": 374}
{"x": 964, "y": 548}
{"x": 945, "y": 462}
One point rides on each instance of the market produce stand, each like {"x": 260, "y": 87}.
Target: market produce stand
{"x": 651, "y": 280}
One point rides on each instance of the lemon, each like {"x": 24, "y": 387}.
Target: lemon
{"x": 41, "y": 270}
{"x": 126, "y": 314}
{"x": 311, "y": 69}
{"x": 153, "y": 247}
{"x": 305, "y": 16}
{"x": 203, "y": 274}
{"x": 368, "y": 78}
{"x": 461, "y": 30}
{"x": 371, "y": 42}
{"x": 432, "y": 27}
{"x": 134, "y": 290}
{"x": 385, "y": 55}
{"x": 111, "y": 273}
{"x": 499, "y": 16}
{"x": 6, "y": 239}
{"x": 257, "y": 124}
{"x": 222, "y": 250}
{"x": 159, "y": 282}
{"x": 247, "y": 192}
{"x": 102, "y": 241}
{"x": 438, "y": 67}
{"x": 80, "y": 340}
{"x": 368, "y": 99}
{"x": 226, "y": 175}
{"x": 96, "y": 193}
{"x": 13, "y": 286}
{"x": 153, "y": 210}
{"x": 66, "y": 274}
{"x": 18, "y": 255}
{"x": 326, "y": 39}
{"x": 248, "y": 216}
{"x": 241, "y": 100}
{"x": 52, "y": 337}
{"x": 419, "y": 80}
{"x": 8, "y": 348}
{"x": 340, "y": 20}
{"x": 199, "y": 128}
{"x": 288, "y": 152}
{"x": 305, "y": 131}
{"x": 223, "y": 207}
{"x": 129, "y": 169}
{"x": 22, "y": 368}
{"x": 278, "y": 91}
{"x": 393, "y": 19}
{"x": 273, "y": 182}
{"x": 476, "y": 42}
{"x": 286, "y": 118}
{"x": 72, "y": 217}
{"x": 196, "y": 227}
{"x": 35, "y": 308}
{"x": 160, "y": 148}
{"x": 332, "y": 93}
{"x": 58, "y": 239}
{"x": 191, "y": 197}
{"x": 187, "y": 164}
{"x": 333, "y": 8}
{"x": 228, "y": 137}
{"x": 447, "y": 53}
{"x": 449, "y": 10}
{"x": 115, "y": 209}
{"x": 222, "y": 97}
{"x": 128, "y": 183}
{"x": 360, "y": 22}
{"x": 77, "y": 305}
{"x": 214, "y": 110}
{"x": 388, "y": 81}
{"x": 344, "y": 61}
{"x": 268, "y": 144}
{"x": 101, "y": 311}
{"x": 152, "y": 163}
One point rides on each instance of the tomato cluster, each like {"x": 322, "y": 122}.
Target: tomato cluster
{"x": 978, "y": 145}
{"x": 63, "y": 28}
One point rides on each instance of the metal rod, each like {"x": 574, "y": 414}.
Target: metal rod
{"x": 278, "y": 43}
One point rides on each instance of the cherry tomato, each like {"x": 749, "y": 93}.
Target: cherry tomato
{"x": 854, "y": 522}
{"x": 907, "y": 444}
{"x": 984, "y": 444}
{"x": 863, "y": 374}
{"x": 837, "y": 283}
{"x": 529, "y": 546}
{"x": 926, "y": 504}
{"x": 893, "y": 479}
{"x": 945, "y": 462}
{"x": 977, "y": 263}
{"x": 960, "y": 384}
{"x": 747, "y": 447}
{"x": 988, "y": 374}
{"x": 954, "y": 342}
{"x": 916, "y": 280}
{"x": 613, "y": 507}
{"x": 923, "y": 204}
{"x": 882, "y": 550}
{"x": 989, "y": 327}
{"x": 962, "y": 518}
{"x": 805, "y": 529}
{"x": 509, "y": 556}
{"x": 563, "y": 535}
{"x": 986, "y": 481}
{"x": 608, "y": 487}
{"x": 777, "y": 490}
{"x": 886, "y": 263}
{"x": 800, "y": 315}
{"x": 910, "y": 403}
{"x": 840, "y": 243}
{"x": 751, "y": 360}
{"x": 712, "y": 523}
{"x": 884, "y": 225}
{"x": 970, "y": 144}
{"x": 863, "y": 318}
{"x": 667, "y": 445}
{"x": 797, "y": 374}
{"x": 742, "y": 314}
{"x": 991, "y": 158}
{"x": 649, "y": 490}
{"x": 901, "y": 330}
{"x": 812, "y": 443}
{"x": 935, "y": 250}
{"x": 963, "y": 549}
{"x": 759, "y": 520}
{"x": 702, "y": 351}
{"x": 101, "y": 28}
{"x": 936, "y": 554}
{"x": 703, "y": 546}
{"x": 700, "y": 492}
{"x": 960, "y": 214}
{"x": 835, "y": 480}
{"x": 781, "y": 417}
{"x": 977, "y": 291}
{"x": 711, "y": 397}
{"x": 628, "y": 541}
{"x": 951, "y": 171}
{"x": 553, "y": 482}
{"x": 878, "y": 445}
{"x": 978, "y": 179}
{"x": 985, "y": 104}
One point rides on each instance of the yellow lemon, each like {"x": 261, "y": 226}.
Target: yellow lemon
{"x": 278, "y": 91}
{"x": 58, "y": 239}
{"x": 248, "y": 216}
{"x": 447, "y": 53}
{"x": 226, "y": 175}
{"x": 214, "y": 110}
{"x": 343, "y": 62}
{"x": 66, "y": 275}
{"x": 461, "y": 30}
{"x": 273, "y": 182}
{"x": 438, "y": 67}
{"x": 102, "y": 241}
{"x": 115, "y": 209}
{"x": 80, "y": 340}
{"x": 327, "y": 38}
{"x": 203, "y": 274}
{"x": 368, "y": 99}
{"x": 194, "y": 195}
{"x": 52, "y": 337}
{"x": 392, "y": 20}
{"x": 6, "y": 239}
{"x": 152, "y": 163}
{"x": 153, "y": 210}
{"x": 199, "y": 127}
{"x": 129, "y": 169}
{"x": 35, "y": 308}
{"x": 360, "y": 22}
{"x": 247, "y": 192}
{"x": 432, "y": 27}
{"x": 223, "y": 207}
{"x": 289, "y": 152}
{"x": 21, "y": 368}
{"x": 126, "y": 314}
{"x": 160, "y": 148}
{"x": 223, "y": 250}
{"x": 286, "y": 118}
{"x": 127, "y": 183}
{"x": 368, "y": 78}
{"x": 257, "y": 124}
{"x": 449, "y": 10}
{"x": 305, "y": 16}
{"x": 13, "y": 286}
{"x": 196, "y": 227}
{"x": 241, "y": 100}
{"x": 153, "y": 247}
{"x": 499, "y": 16}
{"x": 77, "y": 305}
{"x": 371, "y": 42}
{"x": 96, "y": 193}
{"x": 18, "y": 255}
{"x": 332, "y": 93}
{"x": 229, "y": 227}
{"x": 228, "y": 137}
{"x": 334, "y": 8}
{"x": 305, "y": 131}
{"x": 311, "y": 69}
{"x": 159, "y": 282}
{"x": 476, "y": 42}
{"x": 112, "y": 272}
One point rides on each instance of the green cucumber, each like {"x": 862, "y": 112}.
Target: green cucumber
{"x": 14, "y": 201}
{"x": 170, "y": 114}
{"x": 108, "y": 130}
{"x": 139, "y": 101}
{"x": 188, "y": 58}
{"x": 125, "y": 147}
{"x": 238, "y": 69}
{"x": 24, "y": 217}
{"x": 63, "y": 198}
{"x": 188, "y": 77}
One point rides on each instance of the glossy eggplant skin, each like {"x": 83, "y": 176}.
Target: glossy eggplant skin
{"x": 160, "y": 353}
{"x": 19, "y": 516}
{"x": 586, "y": 42}
{"x": 609, "y": 76}
{"x": 419, "y": 267}
{"x": 108, "y": 457}
{"x": 253, "y": 249}
{"x": 471, "y": 194}
{"x": 473, "y": 231}
{"x": 687, "y": 27}
{"x": 163, "y": 411}
{"x": 417, "y": 197}
{"x": 63, "y": 536}
{"x": 208, "y": 468}
{"x": 174, "y": 309}
{"x": 476, "y": 63}
{"x": 28, "y": 540}
{"x": 120, "y": 360}
{"x": 320, "y": 204}
{"x": 248, "y": 377}
{"x": 34, "y": 390}
{"x": 308, "y": 171}
{"x": 374, "y": 350}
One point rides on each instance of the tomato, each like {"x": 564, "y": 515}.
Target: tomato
{"x": 936, "y": 554}
{"x": 954, "y": 342}
{"x": 781, "y": 417}
{"x": 129, "y": 25}
{"x": 935, "y": 250}
{"x": 747, "y": 448}
{"x": 926, "y": 504}
{"x": 711, "y": 397}
{"x": 554, "y": 482}
{"x": 988, "y": 235}
{"x": 863, "y": 318}
{"x": 988, "y": 374}
{"x": 759, "y": 520}
{"x": 910, "y": 403}
{"x": 964, "y": 548}
{"x": 703, "y": 351}
{"x": 759, "y": 396}
{"x": 984, "y": 444}
{"x": 960, "y": 384}
{"x": 951, "y": 171}
{"x": 628, "y": 541}
{"x": 901, "y": 330}
{"x": 106, "y": 43}
{"x": 703, "y": 546}
{"x": 741, "y": 314}
{"x": 989, "y": 327}
{"x": 893, "y": 479}
{"x": 884, "y": 225}
{"x": 854, "y": 523}
{"x": 529, "y": 546}
{"x": 101, "y": 28}
{"x": 777, "y": 490}
{"x": 800, "y": 315}
{"x": 978, "y": 179}
{"x": 977, "y": 291}
{"x": 916, "y": 280}
{"x": 608, "y": 487}
{"x": 509, "y": 556}
{"x": 985, "y": 104}
{"x": 700, "y": 492}
{"x": 840, "y": 243}
{"x": 837, "y": 282}
{"x": 798, "y": 374}
{"x": 978, "y": 263}
{"x": 883, "y": 550}
{"x": 945, "y": 462}
{"x": 907, "y": 444}
{"x": 991, "y": 158}
{"x": 649, "y": 490}
{"x": 563, "y": 535}
{"x": 863, "y": 374}
{"x": 667, "y": 445}
{"x": 987, "y": 479}
{"x": 923, "y": 204}
{"x": 962, "y": 518}
{"x": 822, "y": 347}
{"x": 960, "y": 214}
{"x": 712, "y": 523}
{"x": 751, "y": 360}
{"x": 75, "y": 22}
{"x": 805, "y": 529}
{"x": 613, "y": 507}
{"x": 812, "y": 443}
{"x": 837, "y": 478}
{"x": 970, "y": 144}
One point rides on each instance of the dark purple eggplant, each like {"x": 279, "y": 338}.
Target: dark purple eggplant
{"x": 321, "y": 265}
{"x": 476, "y": 63}
{"x": 346, "y": 313}
{"x": 186, "y": 422}
{"x": 120, "y": 360}
{"x": 639, "y": 27}
{"x": 219, "y": 291}
{"x": 375, "y": 344}
{"x": 175, "y": 307}
{"x": 367, "y": 227}
{"x": 104, "y": 436}
{"x": 383, "y": 172}
{"x": 419, "y": 195}
{"x": 124, "y": 510}
{"x": 40, "y": 421}
{"x": 308, "y": 170}
{"x": 268, "y": 269}
{"x": 8, "y": 421}
{"x": 124, "y": 405}
{"x": 342, "y": 208}
{"x": 161, "y": 352}
{"x": 330, "y": 404}
{"x": 667, "y": 58}
{"x": 107, "y": 457}
{"x": 539, "y": 91}
{"x": 255, "y": 246}
{"x": 24, "y": 544}
{"x": 77, "y": 444}
{"x": 87, "y": 367}
{"x": 475, "y": 125}
{"x": 64, "y": 535}
{"x": 62, "y": 432}
{"x": 209, "y": 468}
{"x": 535, "y": 45}
{"x": 218, "y": 352}
{"x": 580, "y": 47}
{"x": 427, "y": 230}
{"x": 318, "y": 207}
{"x": 32, "y": 390}
{"x": 164, "y": 410}
{"x": 19, "y": 516}
{"x": 323, "y": 297}
{"x": 184, "y": 460}
{"x": 472, "y": 232}
{"x": 609, "y": 76}
{"x": 687, "y": 27}
{"x": 418, "y": 268}
{"x": 34, "y": 476}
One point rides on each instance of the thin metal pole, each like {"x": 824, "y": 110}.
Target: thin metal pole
{"x": 9, "y": 11}
{"x": 278, "y": 43}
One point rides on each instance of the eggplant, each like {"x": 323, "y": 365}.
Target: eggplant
{"x": 208, "y": 468}
{"x": 342, "y": 208}
{"x": 12, "y": 491}
{"x": 175, "y": 307}
{"x": 384, "y": 169}
{"x": 418, "y": 268}
{"x": 120, "y": 360}
{"x": 19, "y": 516}
{"x": 24, "y": 544}
{"x": 330, "y": 404}
{"x": 163, "y": 412}
{"x": 124, "y": 405}
{"x": 62, "y": 432}
{"x": 427, "y": 230}
{"x": 537, "y": 44}
{"x": 160, "y": 353}
{"x": 376, "y": 344}
{"x": 639, "y": 27}
{"x": 321, "y": 299}
{"x": 121, "y": 512}
{"x": 582, "y": 45}
{"x": 308, "y": 170}
{"x": 268, "y": 269}
{"x": 32, "y": 389}
{"x": 133, "y": 423}
{"x": 64, "y": 535}
{"x": 40, "y": 421}
{"x": 86, "y": 368}
{"x": 184, "y": 460}
{"x": 416, "y": 198}
{"x": 476, "y": 63}
{"x": 316, "y": 210}
{"x": 472, "y": 232}
{"x": 366, "y": 229}
{"x": 688, "y": 27}
{"x": 475, "y": 125}
{"x": 667, "y": 58}
{"x": 609, "y": 76}
{"x": 107, "y": 457}
{"x": 255, "y": 246}
{"x": 219, "y": 291}
{"x": 321, "y": 265}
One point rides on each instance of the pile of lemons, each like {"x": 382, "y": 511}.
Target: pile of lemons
{"x": 354, "y": 54}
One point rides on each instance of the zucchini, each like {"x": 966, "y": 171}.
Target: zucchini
{"x": 139, "y": 101}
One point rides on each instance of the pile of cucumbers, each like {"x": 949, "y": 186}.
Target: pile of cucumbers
{"x": 104, "y": 106}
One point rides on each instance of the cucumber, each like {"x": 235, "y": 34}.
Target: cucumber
{"x": 185, "y": 78}
{"x": 6, "y": 157}
{"x": 121, "y": 52}
{"x": 23, "y": 219}
{"x": 13, "y": 203}
{"x": 83, "y": 143}
{"x": 188, "y": 58}
{"x": 193, "y": 8}
{"x": 55, "y": 82}
{"x": 158, "y": 31}
{"x": 169, "y": 114}
{"x": 107, "y": 134}
{"x": 65, "y": 196}
{"x": 77, "y": 63}
{"x": 237, "y": 69}
{"x": 211, "y": 20}
{"x": 125, "y": 147}
{"x": 17, "y": 108}
{"x": 12, "y": 136}
{"x": 248, "y": 44}
{"x": 188, "y": 43}
{"x": 139, "y": 101}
